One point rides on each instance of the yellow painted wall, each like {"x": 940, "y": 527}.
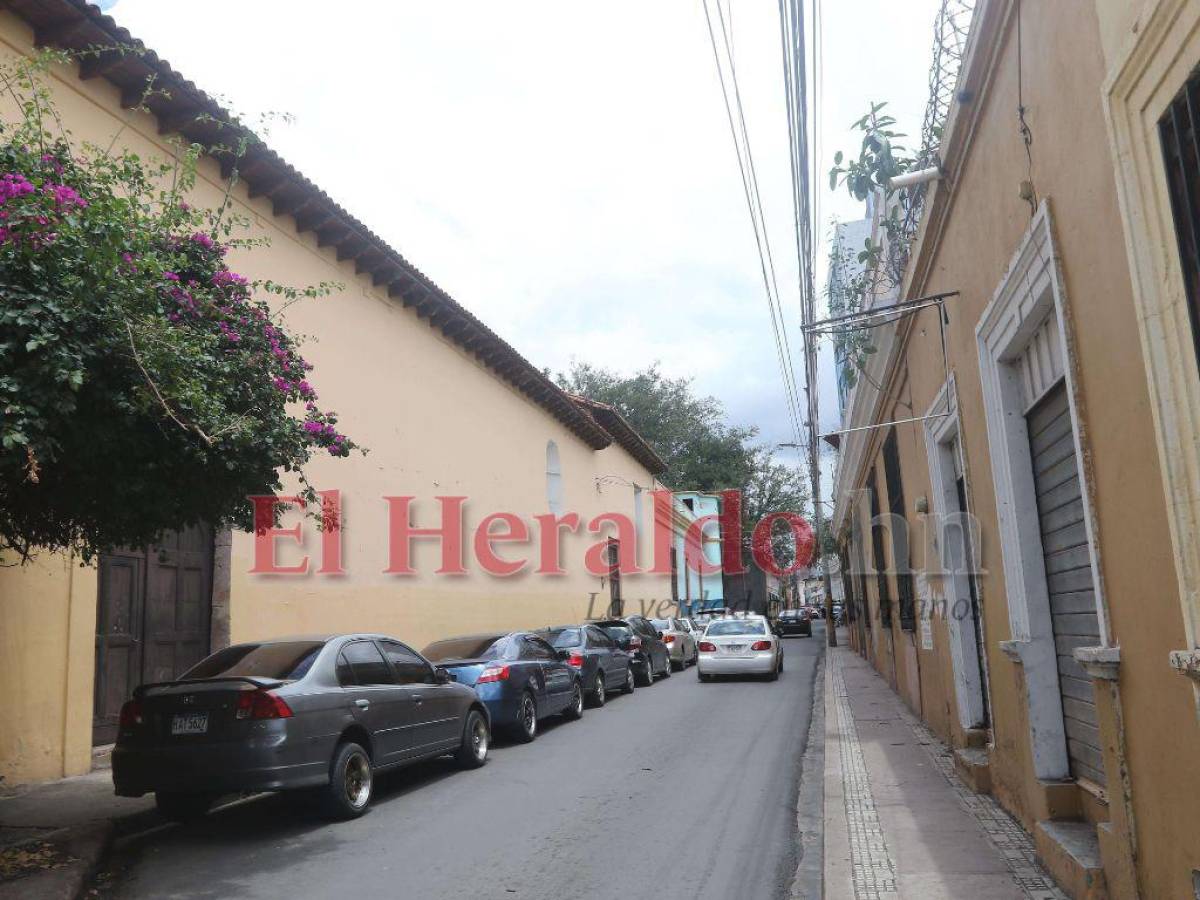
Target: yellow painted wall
{"x": 1064, "y": 71}
{"x": 436, "y": 422}
{"x": 47, "y": 633}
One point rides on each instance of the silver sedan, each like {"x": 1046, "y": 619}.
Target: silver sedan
{"x": 680, "y": 644}
{"x": 742, "y": 646}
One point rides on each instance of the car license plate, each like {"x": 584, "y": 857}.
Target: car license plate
{"x": 189, "y": 723}
{"x": 735, "y": 648}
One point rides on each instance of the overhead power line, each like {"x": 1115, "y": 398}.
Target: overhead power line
{"x": 723, "y": 57}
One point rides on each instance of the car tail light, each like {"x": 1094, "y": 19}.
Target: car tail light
{"x": 576, "y": 660}
{"x": 131, "y": 714}
{"x": 761, "y": 645}
{"x": 493, "y": 673}
{"x": 262, "y": 704}
{"x": 635, "y": 643}
{"x": 706, "y": 647}
{"x": 668, "y": 638}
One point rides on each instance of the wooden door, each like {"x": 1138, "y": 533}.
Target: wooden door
{"x": 153, "y": 619}
{"x": 118, "y": 640}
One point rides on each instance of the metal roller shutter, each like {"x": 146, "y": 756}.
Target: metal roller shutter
{"x": 1068, "y": 572}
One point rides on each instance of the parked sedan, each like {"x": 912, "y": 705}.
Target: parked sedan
{"x": 643, "y": 641}
{"x": 519, "y": 677}
{"x": 325, "y": 713}
{"x": 794, "y": 621}
{"x": 681, "y": 646}
{"x": 742, "y": 646}
{"x": 602, "y": 665}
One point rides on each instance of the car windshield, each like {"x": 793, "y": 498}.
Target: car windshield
{"x": 662, "y": 624}
{"x": 478, "y": 647}
{"x": 564, "y": 637}
{"x": 735, "y": 626}
{"x": 286, "y": 660}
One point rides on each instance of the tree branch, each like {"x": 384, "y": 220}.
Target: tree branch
{"x": 137, "y": 358}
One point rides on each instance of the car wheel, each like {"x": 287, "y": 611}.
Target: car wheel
{"x": 630, "y": 681}
{"x": 648, "y": 678}
{"x": 477, "y": 737}
{"x": 525, "y": 729}
{"x": 667, "y": 667}
{"x": 781, "y": 663}
{"x": 574, "y": 709}
{"x": 182, "y": 807}
{"x": 599, "y": 693}
{"x": 700, "y": 675}
{"x": 349, "y": 790}
{"x": 677, "y": 666}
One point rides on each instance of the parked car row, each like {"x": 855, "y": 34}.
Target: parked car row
{"x": 327, "y": 714}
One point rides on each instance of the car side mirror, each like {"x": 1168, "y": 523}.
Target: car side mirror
{"x": 442, "y": 675}
{"x": 563, "y": 654}
{"x": 658, "y": 633}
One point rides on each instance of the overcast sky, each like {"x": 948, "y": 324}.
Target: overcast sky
{"x": 564, "y": 169}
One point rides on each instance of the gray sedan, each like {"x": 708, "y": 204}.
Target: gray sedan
{"x": 321, "y": 713}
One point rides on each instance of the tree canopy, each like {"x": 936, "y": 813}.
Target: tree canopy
{"x": 703, "y": 452}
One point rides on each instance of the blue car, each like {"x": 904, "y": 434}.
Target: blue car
{"x": 602, "y": 665}
{"x": 519, "y": 677}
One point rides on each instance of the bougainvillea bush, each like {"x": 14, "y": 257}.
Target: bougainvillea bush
{"x": 144, "y": 385}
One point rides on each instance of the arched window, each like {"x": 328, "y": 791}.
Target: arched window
{"x": 554, "y": 481}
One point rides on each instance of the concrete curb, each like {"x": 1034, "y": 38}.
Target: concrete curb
{"x": 84, "y": 846}
{"x": 810, "y": 804}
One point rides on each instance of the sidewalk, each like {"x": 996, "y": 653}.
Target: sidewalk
{"x": 898, "y": 822}
{"x": 53, "y": 835}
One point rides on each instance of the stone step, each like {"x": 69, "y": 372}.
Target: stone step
{"x": 973, "y": 767}
{"x": 1070, "y": 850}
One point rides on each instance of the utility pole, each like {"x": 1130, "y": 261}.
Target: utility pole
{"x": 814, "y": 474}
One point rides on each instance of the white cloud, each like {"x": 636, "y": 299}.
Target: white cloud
{"x": 564, "y": 170}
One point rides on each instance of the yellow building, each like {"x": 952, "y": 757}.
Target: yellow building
{"x": 445, "y": 406}
{"x": 1055, "y": 647}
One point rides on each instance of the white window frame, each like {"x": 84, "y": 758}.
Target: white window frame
{"x": 969, "y": 680}
{"x": 1031, "y": 290}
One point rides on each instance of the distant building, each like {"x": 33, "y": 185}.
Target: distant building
{"x": 848, "y": 239}
{"x": 693, "y": 589}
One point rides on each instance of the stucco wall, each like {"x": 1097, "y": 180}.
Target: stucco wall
{"x": 47, "y": 634}
{"x": 436, "y": 422}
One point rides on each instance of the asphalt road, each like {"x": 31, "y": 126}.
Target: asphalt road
{"x": 682, "y": 790}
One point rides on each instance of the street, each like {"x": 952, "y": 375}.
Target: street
{"x": 681, "y": 790}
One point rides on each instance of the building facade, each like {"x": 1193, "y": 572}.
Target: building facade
{"x": 698, "y": 586}
{"x": 1018, "y": 516}
{"x": 445, "y": 406}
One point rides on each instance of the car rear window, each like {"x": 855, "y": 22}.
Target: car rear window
{"x": 662, "y": 624}
{"x": 286, "y": 660}
{"x": 617, "y": 632}
{"x": 735, "y": 626}
{"x": 564, "y": 637}
{"x": 488, "y": 647}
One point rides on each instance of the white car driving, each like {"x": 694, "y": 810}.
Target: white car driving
{"x": 741, "y": 646}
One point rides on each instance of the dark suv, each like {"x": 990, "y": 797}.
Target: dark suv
{"x": 638, "y": 636}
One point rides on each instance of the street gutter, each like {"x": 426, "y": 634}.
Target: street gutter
{"x": 807, "y": 883}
